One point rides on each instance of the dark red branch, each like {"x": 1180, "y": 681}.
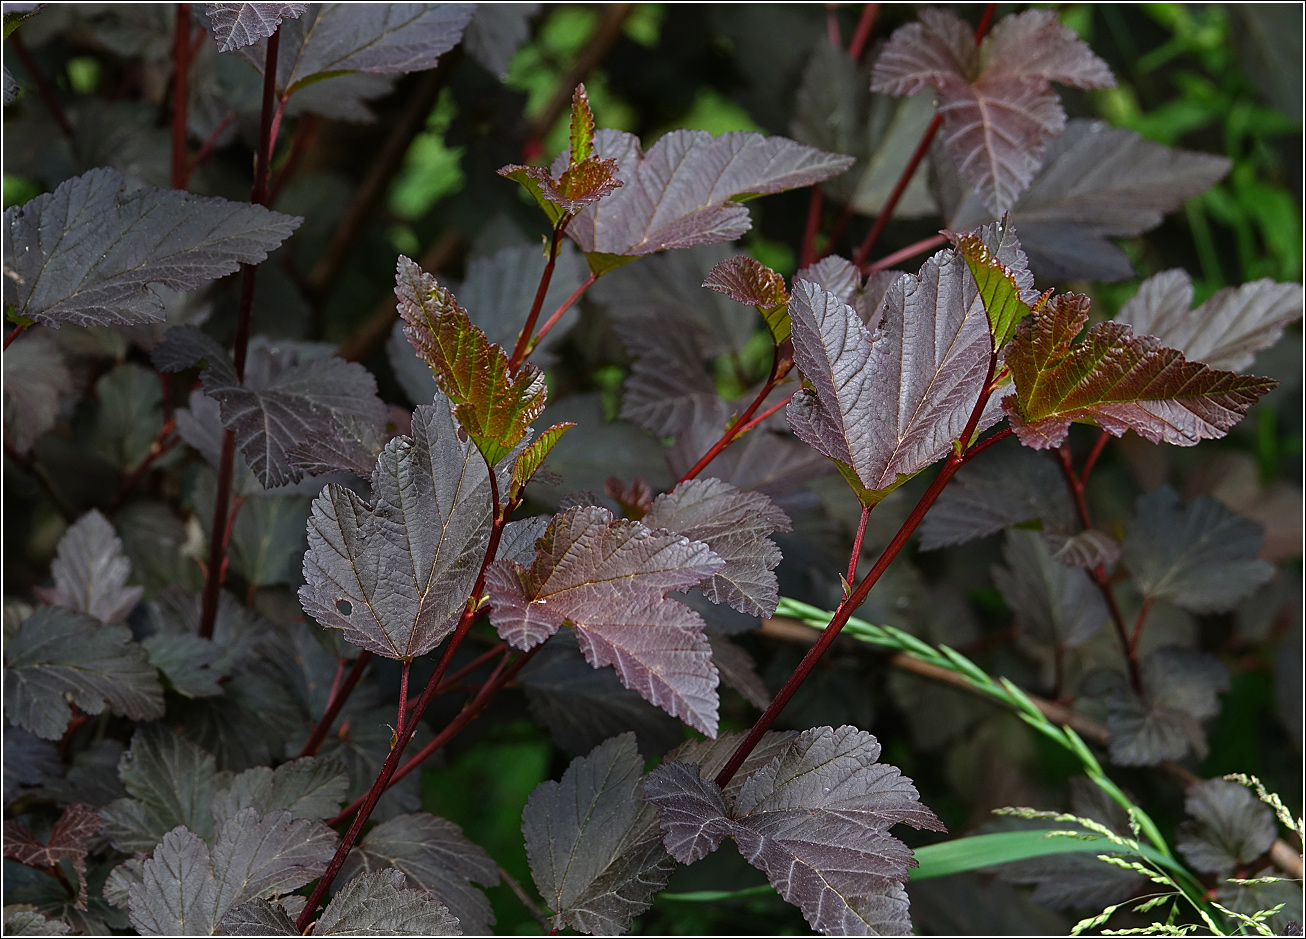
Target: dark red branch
{"x": 832, "y": 26}
{"x": 334, "y": 704}
{"x": 181, "y": 74}
{"x": 984, "y": 444}
{"x": 862, "y": 34}
{"x": 563, "y": 308}
{"x": 163, "y": 442}
{"x": 43, "y": 87}
{"x": 857, "y": 545}
{"x": 13, "y": 334}
{"x": 808, "y": 253}
{"x": 779, "y": 367}
{"x": 1091, "y": 460}
{"x": 902, "y": 254}
{"x": 211, "y": 142}
{"x": 528, "y": 329}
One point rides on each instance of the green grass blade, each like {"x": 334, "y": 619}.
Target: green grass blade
{"x": 1003, "y": 847}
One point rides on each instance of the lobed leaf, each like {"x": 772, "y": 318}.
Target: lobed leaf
{"x": 735, "y": 525}
{"x": 685, "y": 191}
{"x": 90, "y": 571}
{"x": 87, "y": 253}
{"x": 306, "y": 788}
{"x": 1230, "y": 827}
{"x": 1055, "y": 605}
{"x": 235, "y": 25}
{"x": 996, "y": 101}
{"x": 752, "y": 282}
{"x": 1180, "y": 687}
{"x": 59, "y": 657}
{"x": 378, "y": 904}
{"x": 1201, "y": 557}
{"x": 395, "y": 575}
{"x": 1115, "y": 380}
{"x": 1224, "y": 332}
{"x": 592, "y": 843}
{"x": 815, "y": 819}
{"x": 608, "y": 579}
{"x": 842, "y": 278}
{"x": 530, "y": 460}
{"x": 1001, "y": 272}
{"x": 493, "y": 406}
{"x": 435, "y": 855}
{"x": 170, "y": 782}
{"x": 36, "y": 383}
{"x": 69, "y": 840}
{"x": 884, "y": 407}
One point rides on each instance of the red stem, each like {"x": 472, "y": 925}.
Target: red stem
{"x": 42, "y": 85}
{"x": 902, "y": 254}
{"x": 305, "y": 134}
{"x": 738, "y": 426}
{"x": 922, "y": 148}
{"x": 832, "y": 27}
{"x": 563, "y": 308}
{"x": 1091, "y": 460}
{"x": 13, "y": 334}
{"x": 334, "y": 703}
{"x": 1138, "y": 626}
{"x": 984, "y": 444}
{"x": 764, "y": 415}
{"x": 858, "y": 596}
{"x": 163, "y": 442}
{"x": 211, "y": 142}
{"x": 524, "y": 337}
{"x": 403, "y": 697}
{"x": 449, "y": 683}
{"x": 258, "y": 196}
{"x": 470, "y": 612}
{"x": 857, "y": 544}
{"x": 863, "y": 32}
{"x": 181, "y": 75}
{"x": 808, "y": 254}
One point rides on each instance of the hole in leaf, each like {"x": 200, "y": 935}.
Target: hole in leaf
{"x": 345, "y": 607}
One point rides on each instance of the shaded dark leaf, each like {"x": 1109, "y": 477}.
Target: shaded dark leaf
{"x": 1231, "y": 827}
{"x": 394, "y": 576}
{"x": 1226, "y": 331}
{"x": 1055, "y": 605}
{"x": 90, "y": 571}
{"x": 125, "y": 241}
{"x": 739, "y": 671}
{"x": 186, "y": 663}
{"x": 608, "y": 579}
{"x": 28, "y": 760}
{"x": 129, "y": 415}
{"x": 735, "y": 525}
{"x": 1181, "y": 687}
{"x": 592, "y": 842}
{"x": 306, "y": 788}
{"x": 1253, "y": 898}
{"x": 242, "y": 24}
{"x": 496, "y": 32}
{"x": 22, "y": 919}
{"x": 185, "y": 347}
{"x": 493, "y": 406}
{"x": 885, "y": 407}
{"x": 1115, "y": 380}
{"x": 170, "y": 782}
{"x": 36, "y": 382}
{"x": 258, "y": 918}
{"x": 59, "y": 656}
{"x": 378, "y": 904}
{"x": 1097, "y": 183}
{"x": 685, "y": 190}
{"x": 434, "y": 855}
{"x": 996, "y": 101}
{"x": 1201, "y": 557}
{"x": 841, "y": 277}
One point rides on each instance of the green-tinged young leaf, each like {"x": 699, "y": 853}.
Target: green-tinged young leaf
{"x": 235, "y": 25}
{"x": 395, "y": 575}
{"x": 815, "y": 820}
{"x": 493, "y": 406}
{"x": 434, "y": 855}
{"x": 748, "y": 281}
{"x": 378, "y": 904}
{"x": 1115, "y": 380}
{"x": 90, "y": 571}
{"x": 1001, "y": 271}
{"x": 533, "y": 456}
{"x": 186, "y": 888}
{"x": 608, "y": 579}
{"x": 69, "y": 840}
{"x": 582, "y": 128}
{"x": 306, "y": 788}
{"x": 592, "y": 842}
{"x": 578, "y": 186}
{"x": 59, "y": 657}
{"x": 86, "y": 253}
{"x": 736, "y": 525}
{"x": 36, "y": 383}
{"x": 1232, "y": 827}
{"x": 170, "y": 782}
{"x": 885, "y": 405}
{"x": 1202, "y": 557}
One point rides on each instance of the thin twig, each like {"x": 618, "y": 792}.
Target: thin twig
{"x": 984, "y": 444}
{"x": 862, "y": 35}
{"x": 519, "y": 891}
{"x": 780, "y": 361}
{"x": 376, "y": 182}
{"x": 808, "y": 254}
{"x": 522, "y": 345}
{"x": 832, "y": 26}
{"x": 181, "y": 70}
{"x": 856, "y": 554}
{"x": 163, "y": 442}
{"x": 305, "y": 135}
{"x": 335, "y": 702}
{"x": 902, "y": 254}
{"x": 563, "y": 307}
{"x": 13, "y": 334}
{"x": 596, "y": 49}
{"x": 43, "y": 87}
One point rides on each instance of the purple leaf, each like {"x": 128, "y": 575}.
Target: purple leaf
{"x": 1231, "y": 826}
{"x": 738, "y": 670}
{"x": 609, "y": 579}
{"x": 242, "y": 24}
{"x": 735, "y": 525}
{"x": 887, "y": 405}
{"x": 691, "y": 811}
{"x": 593, "y": 844}
{"x": 1201, "y": 557}
{"x": 379, "y": 904}
{"x": 86, "y": 253}
{"x": 36, "y": 383}
{"x": 1179, "y": 687}
{"x": 996, "y": 102}
{"x": 683, "y": 191}
{"x": 1097, "y": 183}
{"x": 395, "y": 575}
{"x": 841, "y": 277}
{"x": 90, "y": 571}
{"x": 1226, "y": 331}
{"x": 69, "y": 840}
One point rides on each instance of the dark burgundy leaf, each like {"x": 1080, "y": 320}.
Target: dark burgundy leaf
{"x": 90, "y": 571}
{"x": 1231, "y": 826}
{"x": 738, "y": 670}
{"x": 69, "y": 840}
{"x": 379, "y": 904}
{"x": 86, "y": 253}
{"x": 242, "y": 24}
{"x": 608, "y": 579}
{"x": 36, "y": 384}
{"x": 1055, "y": 605}
{"x": 842, "y": 278}
{"x": 1180, "y": 687}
